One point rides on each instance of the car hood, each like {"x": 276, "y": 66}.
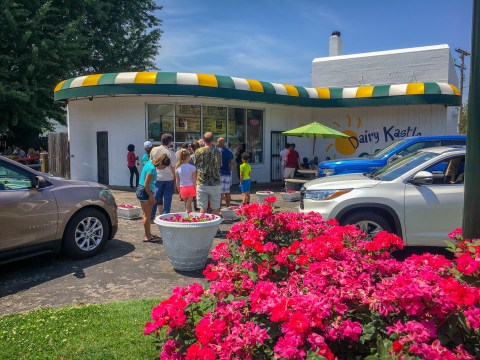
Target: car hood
{"x": 59, "y": 181}
{"x": 347, "y": 181}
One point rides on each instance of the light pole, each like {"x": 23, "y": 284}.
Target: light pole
{"x": 471, "y": 210}
{"x": 463, "y": 54}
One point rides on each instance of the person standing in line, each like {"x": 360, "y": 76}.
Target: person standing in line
{"x": 165, "y": 184}
{"x": 208, "y": 160}
{"x": 147, "y": 145}
{"x": 245, "y": 179}
{"x": 225, "y": 171}
{"x": 282, "y": 159}
{"x": 186, "y": 179}
{"x": 238, "y": 157}
{"x": 145, "y": 191}
{"x": 132, "y": 162}
{"x": 292, "y": 162}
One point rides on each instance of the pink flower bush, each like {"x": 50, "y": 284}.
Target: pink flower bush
{"x": 293, "y": 286}
{"x": 190, "y": 218}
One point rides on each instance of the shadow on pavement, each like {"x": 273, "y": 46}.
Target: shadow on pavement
{"x": 24, "y": 274}
{"x": 401, "y": 255}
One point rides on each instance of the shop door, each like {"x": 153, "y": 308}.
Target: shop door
{"x": 102, "y": 157}
{"x": 277, "y": 144}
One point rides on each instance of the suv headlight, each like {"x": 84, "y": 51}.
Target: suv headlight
{"x": 325, "y": 194}
{"x": 328, "y": 172}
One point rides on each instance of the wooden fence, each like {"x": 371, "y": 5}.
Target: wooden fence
{"x": 59, "y": 154}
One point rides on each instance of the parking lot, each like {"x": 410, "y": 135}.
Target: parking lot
{"x": 128, "y": 268}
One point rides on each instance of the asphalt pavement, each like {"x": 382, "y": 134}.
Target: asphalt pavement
{"x": 126, "y": 269}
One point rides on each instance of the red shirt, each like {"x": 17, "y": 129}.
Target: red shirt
{"x": 131, "y": 158}
{"x": 292, "y": 157}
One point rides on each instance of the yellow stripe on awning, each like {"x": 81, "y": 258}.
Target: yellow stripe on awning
{"x": 364, "y": 91}
{"x": 323, "y": 93}
{"x": 59, "y": 86}
{"x": 255, "y": 85}
{"x": 291, "y": 90}
{"x": 91, "y": 80}
{"x": 207, "y": 80}
{"x": 145, "y": 78}
{"x": 455, "y": 90}
{"x": 415, "y": 89}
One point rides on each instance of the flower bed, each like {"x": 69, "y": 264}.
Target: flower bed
{"x": 129, "y": 212}
{"x": 293, "y": 286}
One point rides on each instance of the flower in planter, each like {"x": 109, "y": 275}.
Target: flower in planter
{"x": 288, "y": 191}
{"x": 294, "y": 286}
{"x": 190, "y": 218}
{"x": 127, "y": 206}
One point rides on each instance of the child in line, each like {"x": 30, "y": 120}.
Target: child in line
{"x": 186, "y": 178}
{"x": 245, "y": 181}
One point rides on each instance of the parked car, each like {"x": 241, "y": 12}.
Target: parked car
{"x": 419, "y": 197}
{"x": 392, "y": 152}
{"x": 40, "y": 213}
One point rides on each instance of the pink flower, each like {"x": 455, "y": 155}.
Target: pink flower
{"x": 466, "y": 265}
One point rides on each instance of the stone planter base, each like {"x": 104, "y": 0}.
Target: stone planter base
{"x": 130, "y": 213}
{"x": 228, "y": 214}
{"x": 291, "y": 196}
{"x": 262, "y": 195}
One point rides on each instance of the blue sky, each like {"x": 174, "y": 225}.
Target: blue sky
{"x": 276, "y": 40}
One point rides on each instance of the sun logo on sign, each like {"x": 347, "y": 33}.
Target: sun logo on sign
{"x": 346, "y": 146}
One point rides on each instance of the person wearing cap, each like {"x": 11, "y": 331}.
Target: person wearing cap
{"x": 147, "y": 145}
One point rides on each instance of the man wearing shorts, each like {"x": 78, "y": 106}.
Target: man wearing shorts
{"x": 292, "y": 161}
{"x": 225, "y": 170}
{"x": 208, "y": 161}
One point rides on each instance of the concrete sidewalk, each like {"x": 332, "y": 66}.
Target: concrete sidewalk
{"x": 127, "y": 269}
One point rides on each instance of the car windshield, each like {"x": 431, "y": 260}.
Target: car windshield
{"x": 401, "y": 166}
{"x": 380, "y": 154}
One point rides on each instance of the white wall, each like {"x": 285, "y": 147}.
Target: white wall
{"x": 423, "y": 64}
{"x": 125, "y": 120}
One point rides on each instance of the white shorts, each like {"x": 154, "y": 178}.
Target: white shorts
{"x": 225, "y": 183}
{"x": 289, "y": 173}
{"x": 206, "y": 193}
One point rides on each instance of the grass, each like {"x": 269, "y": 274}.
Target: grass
{"x": 106, "y": 331}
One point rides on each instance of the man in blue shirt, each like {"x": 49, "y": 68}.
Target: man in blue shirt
{"x": 225, "y": 170}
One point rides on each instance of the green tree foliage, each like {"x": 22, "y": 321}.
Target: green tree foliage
{"x": 463, "y": 119}
{"x": 46, "y": 41}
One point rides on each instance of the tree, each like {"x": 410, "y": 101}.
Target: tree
{"x": 463, "y": 119}
{"x": 44, "y": 42}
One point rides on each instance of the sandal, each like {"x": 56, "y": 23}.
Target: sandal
{"x": 154, "y": 238}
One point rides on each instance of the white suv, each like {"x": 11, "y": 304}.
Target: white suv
{"x": 419, "y": 197}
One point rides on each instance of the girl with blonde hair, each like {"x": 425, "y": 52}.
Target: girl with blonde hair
{"x": 186, "y": 179}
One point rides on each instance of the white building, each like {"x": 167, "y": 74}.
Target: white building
{"x": 106, "y": 112}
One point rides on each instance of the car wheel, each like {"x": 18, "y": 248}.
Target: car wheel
{"x": 369, "y": 222}
{"x": 85, "y": 234}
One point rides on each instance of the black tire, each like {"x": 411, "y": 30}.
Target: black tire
{"x": 86, "y": 234}
{"x": 369, "y": 222}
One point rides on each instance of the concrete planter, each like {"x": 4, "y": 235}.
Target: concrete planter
{"x": 130, "y": 213}
{"x": 291, "y": 196}
{"x": 262, "y": 195}
{"x": 187, "y": 244}
{"x": 229, "y": 214}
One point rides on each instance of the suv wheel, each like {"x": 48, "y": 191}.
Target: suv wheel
{"x": 85, "y": 234}
{"x": 369, "y": 222}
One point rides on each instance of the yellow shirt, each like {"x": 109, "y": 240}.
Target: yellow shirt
{"x": 245, "y": 171}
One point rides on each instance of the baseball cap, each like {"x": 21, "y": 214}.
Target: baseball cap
{"x": 147, "y": 144}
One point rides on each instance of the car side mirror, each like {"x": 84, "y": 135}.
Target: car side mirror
{"x": 393, "y": 158}
{"x": 422, "y": 178}
{"x": 41, "y": 182}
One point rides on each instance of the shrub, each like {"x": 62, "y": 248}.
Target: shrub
{"x": 293, "y": 286}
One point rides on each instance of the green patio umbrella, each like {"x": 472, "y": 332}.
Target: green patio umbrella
{"x": 315, "y": 130}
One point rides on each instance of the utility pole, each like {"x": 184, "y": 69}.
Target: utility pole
{"x": 463, "y": 54}
{"x": 471, "y": 209}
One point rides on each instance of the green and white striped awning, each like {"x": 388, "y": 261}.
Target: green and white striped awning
{"x": 225, "y": 87}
